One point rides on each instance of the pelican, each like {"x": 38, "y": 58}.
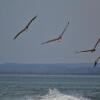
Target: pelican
{"x": 26, "y": 27}
{"x": 59, "y": 37}
{"x": 96, "y": 61}
{"x": 91, "y": 50}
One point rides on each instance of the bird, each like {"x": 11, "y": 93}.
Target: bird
{"x": 91, "y": 50}
{"x": 96, "y": 62}
{"x": 26, "y": 27}
{"x": 59, "y": 37}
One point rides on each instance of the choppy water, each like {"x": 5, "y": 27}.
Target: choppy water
{"x": 61, "y": 87}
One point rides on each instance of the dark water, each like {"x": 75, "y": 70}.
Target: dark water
{"x": 55, "y": 87}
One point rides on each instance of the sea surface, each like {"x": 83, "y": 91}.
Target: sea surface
{"x": 49, "y": 87}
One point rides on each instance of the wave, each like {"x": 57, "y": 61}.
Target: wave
{"x": 54, "y": 94}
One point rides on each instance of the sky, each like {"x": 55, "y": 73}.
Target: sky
{"x": 52, "y": 16}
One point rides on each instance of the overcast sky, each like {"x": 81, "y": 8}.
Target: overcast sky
{"x": 82, "y": 33}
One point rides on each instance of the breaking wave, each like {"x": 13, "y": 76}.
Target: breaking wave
{"x": 54, "y": 94}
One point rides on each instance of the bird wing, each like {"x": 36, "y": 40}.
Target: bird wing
{"x": 96, "y": 61}
{"x": 84, "y": 51}
{"x": 19, "y": 33}
{"x": 64, "y": 29}
{"x": 52, "y": 40}
{"x": 25, "y": 27}
{"x": 31, "y": 21}
{"x": 97, "y": 43}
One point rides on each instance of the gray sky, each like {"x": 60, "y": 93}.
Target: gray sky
{"x": 82, "y": 33}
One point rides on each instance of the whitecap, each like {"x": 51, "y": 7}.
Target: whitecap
{"x": 54, "y": 94}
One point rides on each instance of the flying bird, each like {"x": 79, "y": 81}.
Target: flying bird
{"x": 91, "y": 50}
{"x": 59, "y": 37}
{"x": 26, "y": 27}
{"x": 96, "y": 62}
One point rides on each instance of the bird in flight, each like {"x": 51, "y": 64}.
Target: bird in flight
{"x": 96, "y": 62}
{"x": 59, "y": 37}
{"x": 91, "y": 50}
{"x": 26, "y": 27}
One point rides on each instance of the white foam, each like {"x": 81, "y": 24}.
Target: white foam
{"x": 54, "y": 94}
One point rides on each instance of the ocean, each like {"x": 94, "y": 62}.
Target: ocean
{"x": 49, "y": 87}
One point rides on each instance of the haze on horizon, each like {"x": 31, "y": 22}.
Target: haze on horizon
{"x": 82, "y": 33}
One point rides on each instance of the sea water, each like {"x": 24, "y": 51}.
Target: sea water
{"x": 49, "y": 87}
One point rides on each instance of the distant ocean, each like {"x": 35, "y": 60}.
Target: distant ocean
{"x": 49, "y": 87}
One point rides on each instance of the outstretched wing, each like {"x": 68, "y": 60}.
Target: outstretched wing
{"x": 52, "y": 40}
{"x": 84, "y": 51}
{"x": 97, "y": 43}
{"x": 19, "y": 33}
{"x": 96, "y": 62}
{"x": 64, "y": 29}
{"x": 31, "y": 21}
{"x": 25, "y": 27}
